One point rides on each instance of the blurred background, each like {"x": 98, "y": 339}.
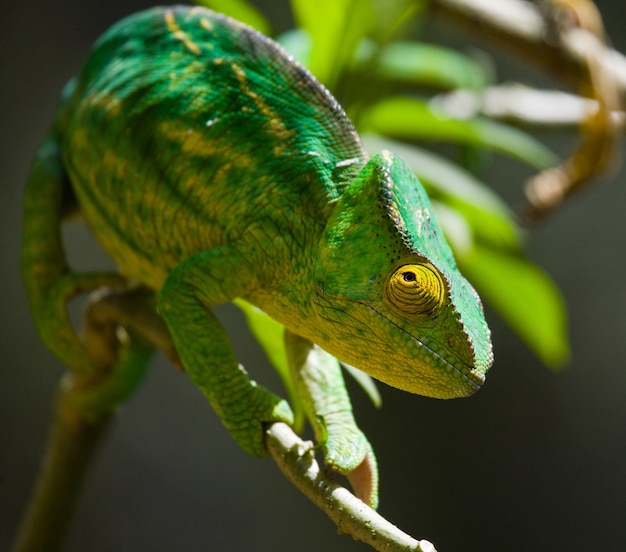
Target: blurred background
{"x": 535, "y": 461}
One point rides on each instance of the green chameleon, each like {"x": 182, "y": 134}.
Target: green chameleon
{"x": 212, "y": 167}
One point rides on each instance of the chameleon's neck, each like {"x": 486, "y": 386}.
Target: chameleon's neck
{"x": 289, "y": 224}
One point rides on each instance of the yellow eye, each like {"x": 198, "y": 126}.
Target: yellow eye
{"x": 416, "y": 289}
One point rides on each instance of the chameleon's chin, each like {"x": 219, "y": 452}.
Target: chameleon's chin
{"x": 477, "y": 377}
{"x": 455, "y": 384}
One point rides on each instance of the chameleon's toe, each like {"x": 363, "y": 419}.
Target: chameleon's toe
{"x": 349, "y": 452}
{"x": 247, "y": 425}
{"x": 49, "y": 306}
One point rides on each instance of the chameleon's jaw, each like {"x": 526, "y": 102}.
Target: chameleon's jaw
{"x": 421, "y": 371}
{"x": 424, "y": 367}
{"x": 437, "y": 381}
{"x": 477, "y": 377}
{"x": 381, "y": 347}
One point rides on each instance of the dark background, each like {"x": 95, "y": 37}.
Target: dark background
{"x": 535, "y": 461}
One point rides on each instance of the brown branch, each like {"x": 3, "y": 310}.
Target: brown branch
{"x": 565, "y": 39}
{"x": 72, "y": 444}
{"x": 84, "y": 409}
{"x": 520, "y": 28}
{"x": 352, "y": 516}
{"x": 120, "y": 329}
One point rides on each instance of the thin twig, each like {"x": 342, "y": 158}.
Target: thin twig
{"x": 565, "y": 39}
{"x": 518, "y": 27}
{"x": 577, "y": 25}
{"x": 84, "y": 409}
{"x": 352, "y": 516}
{"x": 524, "y": 106}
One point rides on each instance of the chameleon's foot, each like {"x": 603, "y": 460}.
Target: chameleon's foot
{"x": 52, "y": 320}
{"x": 327, "y": 404}
{"x": 348, "y": 452}
{"x": 249, "y": 415}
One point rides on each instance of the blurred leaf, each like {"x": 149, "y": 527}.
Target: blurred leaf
{"x": 367, "y": 384}
{"x": 426, "y": 64}
{"x": 269, "y": 334}
{"x": 335, "y": 36}
{"x": 241, "y": 10}
{"x": 391, "y": 16}
{"x": 524, "y": 296}
{"x": 409, "y": 118}
{"x": 298, "y": 43}
{"x": 456, "y": 228}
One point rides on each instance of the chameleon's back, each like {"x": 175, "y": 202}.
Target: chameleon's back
{"x": 186, "y": 129}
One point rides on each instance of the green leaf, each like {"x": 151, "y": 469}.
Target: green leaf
{"x": 427, "y": 64}
{"x": 392, "y": 17}
{"x": 269, "y": 334}
{"x": 335, "y": 36}
{"x": 366, "y": 382}
{"x": 413, "y": 119}
{"x": 298, "y": 43}
{"x": 524, "y": 296}
{"x": 456, "y": 228}
{"x": 241, "y": 10}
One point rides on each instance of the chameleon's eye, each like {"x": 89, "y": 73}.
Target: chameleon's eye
{"x": 416, "y": 289}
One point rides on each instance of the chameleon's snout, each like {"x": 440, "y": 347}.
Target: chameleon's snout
{"x": 477, "y": 377}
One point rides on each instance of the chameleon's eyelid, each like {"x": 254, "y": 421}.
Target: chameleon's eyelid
{"x": 422, "y": 293}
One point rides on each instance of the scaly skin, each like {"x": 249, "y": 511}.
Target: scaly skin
{"x": 211, "y": 166}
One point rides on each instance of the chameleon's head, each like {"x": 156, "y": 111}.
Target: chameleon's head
{"x": 389, "y": 298}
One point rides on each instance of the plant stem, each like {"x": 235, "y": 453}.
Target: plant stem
{"x": 519, "y": 27}
{"x": 352, "y": 516}
{"x": 72, "y": 443}
{"x": 83, "y": 412}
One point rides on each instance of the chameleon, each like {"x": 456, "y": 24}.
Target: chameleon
{"x": 212, "y": 167}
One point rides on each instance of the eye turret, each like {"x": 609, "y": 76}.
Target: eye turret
{"x": 415, "y": 289}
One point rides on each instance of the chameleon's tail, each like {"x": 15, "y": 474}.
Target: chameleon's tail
{"x": 48, "y": 279}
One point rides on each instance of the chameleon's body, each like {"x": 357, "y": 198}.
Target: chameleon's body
{"x": 211, "y": 166}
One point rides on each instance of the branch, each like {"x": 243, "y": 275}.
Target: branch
{"x": 520, "y": 28}
{"x": 84, "y": 409}
{"x": 523, "y": 105}
{"x": 72, "y": 444}
{"x": 566, "y": 39}
{"x": 121, "y": 327}
{"x": 295, "y": 459}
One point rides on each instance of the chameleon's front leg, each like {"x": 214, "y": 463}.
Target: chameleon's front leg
{"x": 319, "y": 381}
{"x": 205, "y": 351}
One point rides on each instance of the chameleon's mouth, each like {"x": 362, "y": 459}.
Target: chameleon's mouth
{"x": 477, "y": 377}
{"x": 472, "y": 376}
